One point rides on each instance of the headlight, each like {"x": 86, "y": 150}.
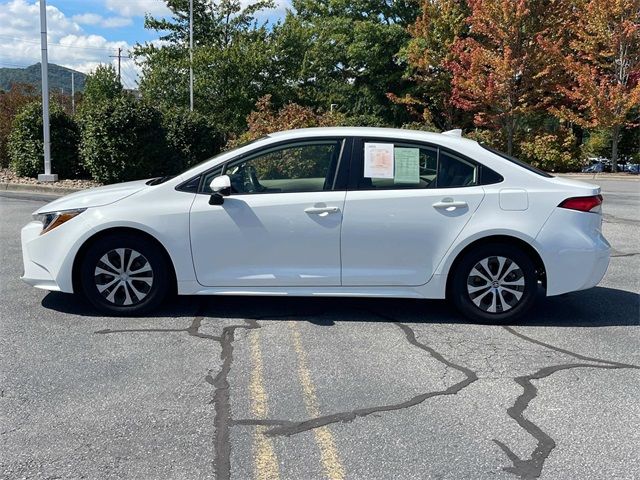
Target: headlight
{"x": 52, "y": 220}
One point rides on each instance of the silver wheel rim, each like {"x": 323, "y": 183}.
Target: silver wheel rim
{"x": 496, "y": 284}
{"x": 123, "y": 276}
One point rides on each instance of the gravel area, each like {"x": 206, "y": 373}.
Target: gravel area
{"x": 7, "y": 176}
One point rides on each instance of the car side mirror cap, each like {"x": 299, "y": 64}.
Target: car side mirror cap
{"x": 221, "y": 185}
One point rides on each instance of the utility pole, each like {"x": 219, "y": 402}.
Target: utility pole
{"x": 191, "y": 55}
{"x": 119, "y": 57}
{"x": 47, "y": 176}
{"x": 73, "y": 93}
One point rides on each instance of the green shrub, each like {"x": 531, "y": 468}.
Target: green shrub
{"x": 555, "y": 152}
{"x": 123, "y": 140}
{"x": 25, "y": 146}
{"x": 191, "y": 138}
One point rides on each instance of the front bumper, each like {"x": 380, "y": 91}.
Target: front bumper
{"x": 35, "y": 274}
{"x": 48, "y": 259}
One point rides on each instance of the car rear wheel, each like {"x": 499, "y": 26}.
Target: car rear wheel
{"x": 124, "y": 275}
{"x": 494, "y": 283}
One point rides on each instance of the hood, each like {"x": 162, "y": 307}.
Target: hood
{"x": 94, "y": 197}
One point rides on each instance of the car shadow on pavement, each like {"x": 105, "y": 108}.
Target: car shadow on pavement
{"x": 597, "y": 307}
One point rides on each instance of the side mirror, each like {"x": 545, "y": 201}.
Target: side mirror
{"x": 220, "y": 186}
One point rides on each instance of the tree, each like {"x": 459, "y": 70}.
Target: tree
{"x": 11, "y": 102}
{"x": 230, "y": 64}
{"x": 440, "y": 24}
{"x": 500, "y": 72}
{"x": 347, "y": 54}
{"x": 102, "y": 85}
{"x": 603, "y": 63}
{"x": 25, "y": 145}
{"x": 265, "y": 120}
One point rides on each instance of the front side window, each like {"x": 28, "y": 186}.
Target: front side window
{"x": 302, "y": 167}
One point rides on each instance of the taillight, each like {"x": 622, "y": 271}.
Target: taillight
{"x": 583, "y": 204}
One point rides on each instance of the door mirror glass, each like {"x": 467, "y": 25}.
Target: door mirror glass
{"x": 221, "y": 185}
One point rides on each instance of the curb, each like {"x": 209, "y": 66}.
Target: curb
{"x": 35, "y": 188}
{"x": 597, "y": 176}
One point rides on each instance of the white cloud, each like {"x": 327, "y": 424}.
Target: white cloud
{"x": 69, "y": 45}
{"x": 133, "y": 8}
{"x": 99, "y": 20}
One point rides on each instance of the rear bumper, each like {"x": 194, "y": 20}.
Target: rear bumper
{"x": 576, "y": 254}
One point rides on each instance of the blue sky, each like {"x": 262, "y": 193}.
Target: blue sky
{"x": 83, "y": 33}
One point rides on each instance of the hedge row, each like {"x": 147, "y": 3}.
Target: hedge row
{"x": 115, "y": 140}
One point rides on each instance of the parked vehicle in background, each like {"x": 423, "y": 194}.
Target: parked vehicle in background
{"x": 329, "y": 212}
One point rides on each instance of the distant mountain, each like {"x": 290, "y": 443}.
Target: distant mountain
{"x": 59, "y": 77}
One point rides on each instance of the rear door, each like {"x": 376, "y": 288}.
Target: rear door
{"x": 407, "y": 202}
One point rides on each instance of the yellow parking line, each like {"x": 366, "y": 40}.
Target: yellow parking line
{"x": 328, "y": 451}
{"x": 265, "y": 458}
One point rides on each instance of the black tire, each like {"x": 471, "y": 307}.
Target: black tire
{"x": 518, "y": 299}
{"x": 135, "y": 294}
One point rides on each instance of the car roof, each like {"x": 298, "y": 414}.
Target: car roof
{"x": 448, "y": 139}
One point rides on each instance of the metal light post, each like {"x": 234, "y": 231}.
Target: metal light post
{"x": 47, "y": 176}
{"x": 191, "y": 55}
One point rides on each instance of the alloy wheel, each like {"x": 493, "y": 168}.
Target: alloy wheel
{"x": 496, "y": 284}
{"x": 123, "y": 276}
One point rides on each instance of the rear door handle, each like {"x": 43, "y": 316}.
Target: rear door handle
{"x": 450, "y": 205}
{"x": 321, "y": 210}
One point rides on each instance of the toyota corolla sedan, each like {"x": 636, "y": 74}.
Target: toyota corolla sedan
{"x": 357, "y": 212}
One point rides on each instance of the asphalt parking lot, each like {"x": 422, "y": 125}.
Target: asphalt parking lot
{"x": 290, "y": 388}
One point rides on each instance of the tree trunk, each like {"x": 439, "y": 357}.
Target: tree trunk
{"x": 510, "y": 128}
{"x": 614, "y": 148}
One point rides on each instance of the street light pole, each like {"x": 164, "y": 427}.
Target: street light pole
{"x": 47, "y": 176}
{"x": 191, "y": 55}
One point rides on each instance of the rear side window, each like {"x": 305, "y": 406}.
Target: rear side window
{"x": 399, "y": 166}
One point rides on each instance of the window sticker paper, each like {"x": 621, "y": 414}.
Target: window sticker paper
{"x": 378, "y": 160}
{"x": 407, "y": 165}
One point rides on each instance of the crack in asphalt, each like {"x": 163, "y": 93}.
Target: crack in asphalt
{"x": 608, "y": 218}
{"x": 222, "y": 402}
{"x": 293, "y": 428}
{"x": 193, "y": 330}
{"x": 531, "y": 468}
{"x": 621, "y": 254}
{"x": 221, "y": 396}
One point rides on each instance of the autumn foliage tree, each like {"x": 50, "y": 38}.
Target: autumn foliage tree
{"x": 603, "y": 62}
{"x": 428, "y": 54}
{"x": 500, "y": 70}
{"x": 266, "y": 119}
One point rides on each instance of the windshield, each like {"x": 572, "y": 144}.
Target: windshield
{"x": 524, "y": 165}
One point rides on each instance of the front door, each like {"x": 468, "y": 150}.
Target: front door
{"x": 281, "y": 224}
{"x": 407, "y": 206}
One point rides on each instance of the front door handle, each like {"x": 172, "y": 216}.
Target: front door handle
{"x": 450, "y": 205}
{"x": 321, "y": 210}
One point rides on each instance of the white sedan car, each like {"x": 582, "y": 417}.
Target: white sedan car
{"x": 328, "y": 212}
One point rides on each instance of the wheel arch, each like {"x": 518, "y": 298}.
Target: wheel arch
{"x": 520, "y": 243}
{"x": 75, "y": 270}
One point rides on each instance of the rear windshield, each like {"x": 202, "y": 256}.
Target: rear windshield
{"x": 524, "y": 165}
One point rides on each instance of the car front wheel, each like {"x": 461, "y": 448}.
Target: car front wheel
{"x": 494, "y": 284}
{"x": 124, "y": 275}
